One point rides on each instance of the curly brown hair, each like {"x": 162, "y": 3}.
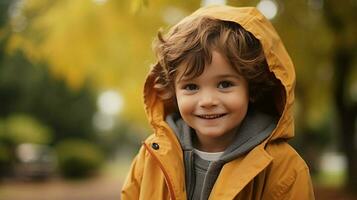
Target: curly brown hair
{"x": 190, "y": 44}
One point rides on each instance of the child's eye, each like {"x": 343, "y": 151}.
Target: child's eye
{"x": 190, "y": 87}
{"x": 225, "y": 84}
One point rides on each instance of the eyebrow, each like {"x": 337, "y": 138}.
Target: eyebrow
{"x": 220, "y": 76}
{"x": 228, "y": 76}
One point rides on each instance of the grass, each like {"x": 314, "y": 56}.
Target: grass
{"x": 334, "y": 179}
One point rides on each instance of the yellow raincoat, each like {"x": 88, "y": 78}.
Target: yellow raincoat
{"x": 271, "y": 170}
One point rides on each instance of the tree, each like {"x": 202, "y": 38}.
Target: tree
{"x": 341, "y": 18}
{"x": 4, "y": 7}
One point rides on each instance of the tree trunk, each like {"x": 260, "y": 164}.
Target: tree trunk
{"x": 343, "y": 61}
{"x": 341, "y": 18}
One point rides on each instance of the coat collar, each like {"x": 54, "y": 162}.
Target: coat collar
{"x": 170, "y": 160}
{"x": 246, "y": 168}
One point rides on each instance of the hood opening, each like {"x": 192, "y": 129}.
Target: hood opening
{"x": 273, "y": 103}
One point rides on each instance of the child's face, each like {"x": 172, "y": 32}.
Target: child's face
{"x": 213, "y": 103}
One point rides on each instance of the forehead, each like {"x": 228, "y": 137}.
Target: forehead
{"x": 218, "y": 67}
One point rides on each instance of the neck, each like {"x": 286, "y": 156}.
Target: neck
{"x": 216, "y": 144}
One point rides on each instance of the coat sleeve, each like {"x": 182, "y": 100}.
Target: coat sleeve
{"x": 132, "y": 184}
{"x": 296, "y": 187}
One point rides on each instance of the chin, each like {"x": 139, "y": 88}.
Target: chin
{"x": 210, "y": 133}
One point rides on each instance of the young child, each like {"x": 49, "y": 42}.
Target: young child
{"x": 220, "y": 102}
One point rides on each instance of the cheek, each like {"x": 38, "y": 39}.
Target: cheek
{"x": 237, "y": 101}
{"x": 185, "y": 104}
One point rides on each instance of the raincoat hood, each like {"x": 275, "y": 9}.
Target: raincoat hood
{"x": 278, "y": 60}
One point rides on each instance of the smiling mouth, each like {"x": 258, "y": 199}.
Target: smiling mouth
{"x": 215, "y": 116}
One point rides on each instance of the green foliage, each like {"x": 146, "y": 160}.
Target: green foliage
{"x": 19, "y": 129}
{"x": 4, "y": 6}
{"x": 78, "y": 158}
{"x": 4, "y": 155}
{"x": 29, "y": 88}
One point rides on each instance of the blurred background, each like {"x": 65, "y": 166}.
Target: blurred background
{"x": 71, "y": 77}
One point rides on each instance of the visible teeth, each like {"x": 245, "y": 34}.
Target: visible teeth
{"x": 210, "y": 116}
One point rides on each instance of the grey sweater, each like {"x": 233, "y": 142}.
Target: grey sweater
{"x": 202, "y": 174}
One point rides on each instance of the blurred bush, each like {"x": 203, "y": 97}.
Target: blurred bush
{"x": 21, "y": 128}
{"x": 78, "y": 158}
{"x": 15, "y": 130}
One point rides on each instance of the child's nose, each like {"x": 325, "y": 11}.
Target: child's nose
{"x": 208, "y": 99}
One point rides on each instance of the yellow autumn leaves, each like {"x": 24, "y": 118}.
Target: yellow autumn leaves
{"x": 101, "y": 41}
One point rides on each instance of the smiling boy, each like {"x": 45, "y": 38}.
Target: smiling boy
{"x": 220, "y": 102}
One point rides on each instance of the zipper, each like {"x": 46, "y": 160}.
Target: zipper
{"x": 168, "y": 182}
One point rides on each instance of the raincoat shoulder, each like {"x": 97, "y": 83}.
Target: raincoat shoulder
{"x": 289, "y": 176}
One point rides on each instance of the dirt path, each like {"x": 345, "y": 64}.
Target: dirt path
{"x": 328, "y": 193}
{"x": 102, "y": 188}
